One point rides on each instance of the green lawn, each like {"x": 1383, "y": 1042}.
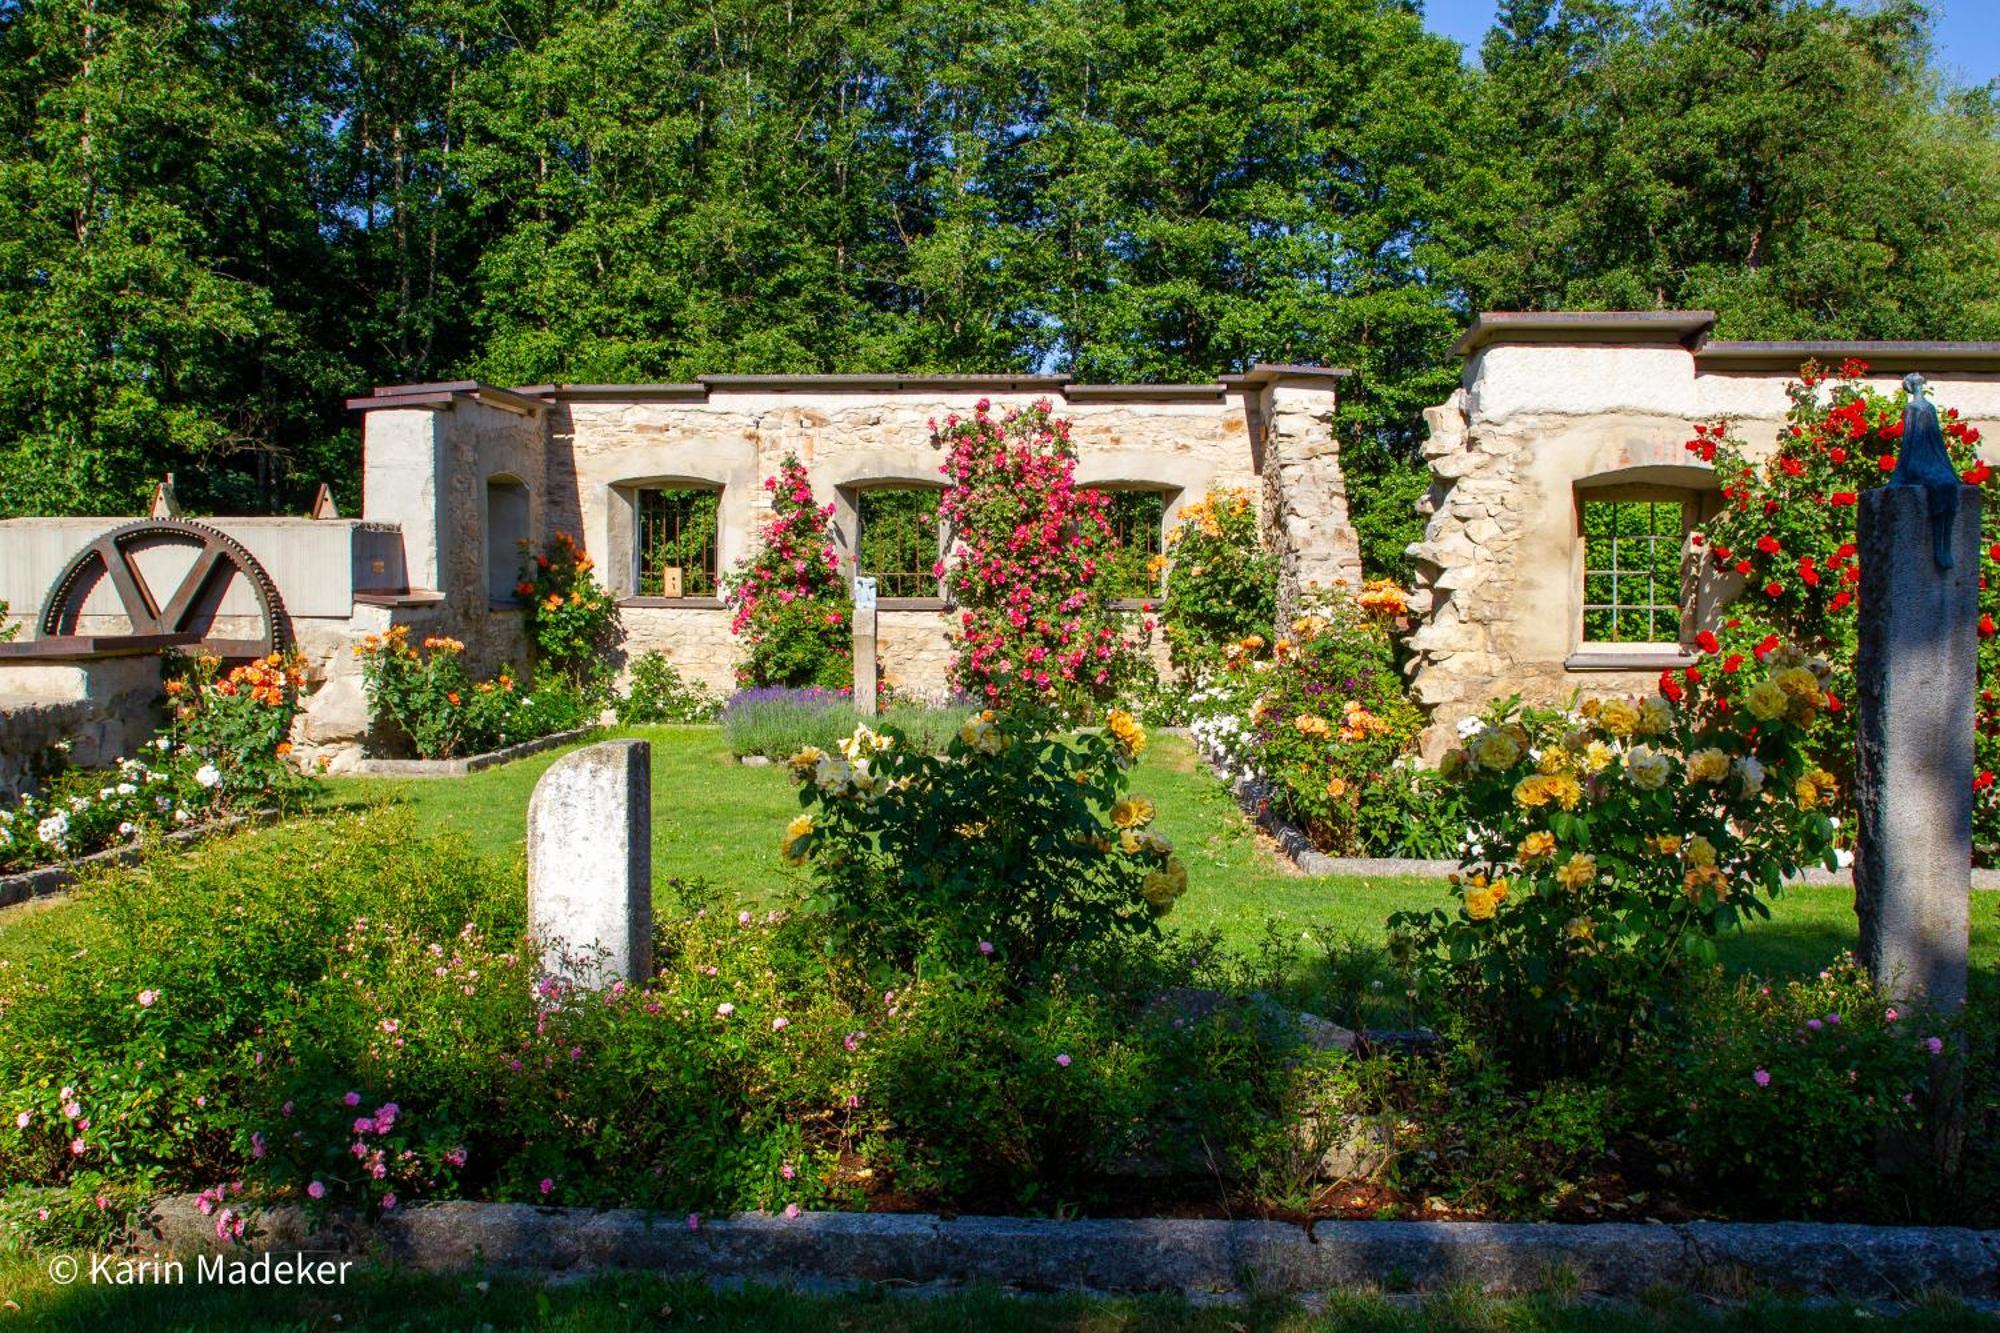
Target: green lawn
{"x": 377, "y": 1298}
{"x": 716, "y": 819}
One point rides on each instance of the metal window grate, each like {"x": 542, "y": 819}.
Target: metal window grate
{"x": 1138, "y": 537}
{"x": 898, "y": 544}
{"x": 1633, "y": 556}
{"x": 677, "y": 528}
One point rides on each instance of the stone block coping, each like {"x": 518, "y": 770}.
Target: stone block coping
{"x": 471, "y": 763}
{"x": 48, "y": 881}
{"x": 1615, "y": 1259}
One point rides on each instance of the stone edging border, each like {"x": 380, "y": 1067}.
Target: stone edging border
{"x": 471, "y": 763}
{"x": 48, "y": 881}
{"x": 1254, "y": 798}
{"x": 1617, "y": 1259}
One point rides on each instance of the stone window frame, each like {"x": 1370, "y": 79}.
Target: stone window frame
{"x": 626, "y": 492}
{"x": 1170, "y": 503}
{"x": 500, "y": 595}
{"x": 1696, "y": 602}
{"x": 847, "y": 528}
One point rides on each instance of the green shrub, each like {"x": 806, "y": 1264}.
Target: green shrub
{"x": 1323, "y": 722}
{"x": 441, "y": 713}
{"x": 1222, "y": 582}
{"x": 573, "y": 621}
{"x": 1611, "y": 844}
{"x": 1785, "y": 1093}
{"x": 657, "y": 692}
{"x": 1014, "y": 844}
{"x": 778, "y": 723}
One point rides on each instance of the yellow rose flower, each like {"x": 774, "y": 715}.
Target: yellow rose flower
{"x": 1162, "y": 887}
{"x": 1669, "y": 844}
{"x": 1480, "y": 904}
{"x": 1705, "y": 879}
{"x": 1799, "y": 683}
{"x": 1453, "y": 763}
{"x": 1654, "y": 717}
{"x": 1647, "y": 768}
{"x": 1132, "y": 812}
{"x": 1767, "y": 701}
{"x": 1309, "y": 724}
{"x": 1125, "y": 729}
{"x": 1538, "y": 846}
{"x": 1597, "y": 756}
{"x": 793, "y": 847}
{"x": 1532, "y": 792}
{"x": 1578, "y": 871}
{"x": 1495, "y": 750}
{"x": 1700, "y": 851}
{"x": 805, "y": 763}
{"x": 1709, "y": 765}
{"x": 1565, "y": 789}
{"x": 1579, "y": 928}
{"x": 1336, "y": 787}
{"x": 1618, "y": 716}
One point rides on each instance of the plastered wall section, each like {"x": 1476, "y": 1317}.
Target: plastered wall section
{"x": 602, "y": 453}
{"x": 1498, "y": 586}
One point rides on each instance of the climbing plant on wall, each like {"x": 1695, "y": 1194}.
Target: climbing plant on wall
{"x": 791, "y": 605}
{"x": 1787, "y": 531}
{"x": 1035, "y": 624}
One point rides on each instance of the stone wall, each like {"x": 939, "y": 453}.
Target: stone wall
{"x": 1554, "y": 406}
{"x": 598, "y": 447}
{"x": 101, "y": 711}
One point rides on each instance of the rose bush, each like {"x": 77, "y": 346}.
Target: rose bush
{"x": 1320, "y": 717}
{"x": 792, "y": 607}
{"x": 1035, "y": 622}
{"x": 224, "y": 749}
{"x": 442, "y": 712}
{"x": 573, "y": 621}
{"x": 1222, "y": 583}
{"x": 1787, "y": 532}
{"x": 1611, "y": 843}
{"x": 1013, "y": 846}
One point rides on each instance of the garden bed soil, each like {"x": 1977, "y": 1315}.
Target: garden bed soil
{"x": 471, "y": 763}
{"x": 1620, "y": 1259}
{"x": 47, "y": 881}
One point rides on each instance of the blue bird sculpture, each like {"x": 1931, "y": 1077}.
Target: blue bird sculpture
{"x": 1924, "y": 462}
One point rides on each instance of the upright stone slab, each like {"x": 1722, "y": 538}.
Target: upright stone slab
{"x": 865, "y": 684}
{"x": 1917, "y": 674}
{"x": 590, "y": 864}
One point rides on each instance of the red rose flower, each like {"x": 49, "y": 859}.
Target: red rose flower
{"x": 1707, "y": 642}
{"x": 1768, "y": 544}
{"x": 1843, "y": 498}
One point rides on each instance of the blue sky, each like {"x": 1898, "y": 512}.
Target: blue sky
{"x": 1968, "y": 38}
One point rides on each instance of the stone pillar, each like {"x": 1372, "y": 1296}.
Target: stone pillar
{"x": 590, "y": 864}
{"x": 1916, "y": 677}
{"x": 865, "y": 685}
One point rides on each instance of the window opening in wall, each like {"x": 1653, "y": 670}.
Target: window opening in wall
{"x": 898, "y": 544}
{"x": 1633, "y": 560}
{"x": 506, "y": 529}
{"x": 677, "y": 527}
{"x": 1132, "y": 570}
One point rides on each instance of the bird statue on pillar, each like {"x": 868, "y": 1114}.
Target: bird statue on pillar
{"x": 1924, "y": 462}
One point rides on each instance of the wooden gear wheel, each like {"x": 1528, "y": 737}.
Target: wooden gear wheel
{"x": 189, "y": 607}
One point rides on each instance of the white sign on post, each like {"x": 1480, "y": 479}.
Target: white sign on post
{"x": 865, "y": 699}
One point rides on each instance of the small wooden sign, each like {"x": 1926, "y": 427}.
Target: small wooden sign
{"x": 670, "y": 581}
{"x": 164, "y": 503}
{"x": 323, "y": 506}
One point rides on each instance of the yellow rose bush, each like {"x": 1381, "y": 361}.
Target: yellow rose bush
{"x": 1009, "y": 850}
{"x": 1611, "y": 842}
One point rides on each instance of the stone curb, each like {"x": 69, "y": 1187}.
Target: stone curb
{"x": 1618, "y": 1259}
{"x": 49, "y": 881}
{"x": 472, "y": 763}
